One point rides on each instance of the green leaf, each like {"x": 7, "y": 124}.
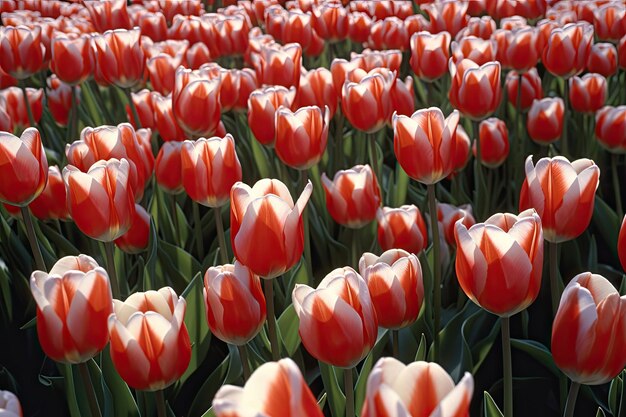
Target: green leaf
{"x": 6, "y": 303}
{"x": 150, "y": 279}
{"x": 366, "y": 368}
{"x": 608, "y": 224}
{"x": 122, "y": 401}
{"x": 217, "y": 378}
{"x": 600, "y": 412}
{"x": 615, "y": 392}
{"x": 538, "y": 352}
{"x": 288, "y": 323}
{"x": 336, "y": 398}
{"x": 401, "y": 187}
{"x": 420, "y": 355}
{"x": 489, "y": 406}
{"x": 197, "y": 327}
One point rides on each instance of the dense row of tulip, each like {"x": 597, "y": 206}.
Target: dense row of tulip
{"x": 437, "y": 167}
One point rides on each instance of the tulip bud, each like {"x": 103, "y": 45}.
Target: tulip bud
{"x": 367, "y": 103}
{"x": 196, "y": 102}
{"x": 531, "y": 88}
{"x": 72, "y": 57}
{"x": 168, "y": 168}
{"x": 430, "y": 54}
{"x": 587, "y": 94}
{"x": 545, "y": 120}
{"x": 611, "y": 128}
{"x": 73, "y": 305}
{"x": 469, "y": 81}
{"x": 9, "y": 404}
{"x": 143, "y": 104}
{"x": 602, "y": 59}
{"x": 51, "y": 204}
{"x": 449, "y": 16}
{"x": 120, "y": 57}
{"x": 608, "y": 21}
{"x": 162, "y": 71}
{"x": 494, "y": 142}
{"x": 262, "y": 106}
{"x": 316, "y": 89}
{"x": 278, "y": 65}
{"x": 567, "y": 49}
{"x": 461, "y": 155}
{"x": 59, "y": 97}
{"x": 395, "y": 284}
{"x": 341, "y": 305}
{"x": 301, "y": 136}
{"x": 589, "y": 330}
{"x": 448, "y": 215}
{"x": 164, "y": 119}
{"x": 401, "y": 228}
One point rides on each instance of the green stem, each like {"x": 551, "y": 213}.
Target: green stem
{"x": 354, "y": 247}
{"x": 434, "y": 223}
{"x": 243, "y": 354}
{"x": 220, "y": 235}
{"x": 564, "y": 144}
{"x": 338, "y": 156}
{"x": 91, "y": 394}
{"x": 197, "y": 225}
{"x": 133, "y": 108}
{"x": 508, "y": 367}
{"x": 478, "y": 172}
{"x": 271, "y": 319}
{"x": 32, "y": 239}
{"x": 160, "y": 403}
{"x": 73, "y": 122}
{"x": 571, "y": 399}
{"x": 554, "y": 276}
{"x": 304, "y": 179}
{"x": 29, "y": 111}
{"x": 349, "y": 388}
{"x": 374, "y": 158}
{"x": 174, "y": 209}
{"x": 109, "y": 249}
{"x": 395, "y": 343}
{"x": 616, "y": 185}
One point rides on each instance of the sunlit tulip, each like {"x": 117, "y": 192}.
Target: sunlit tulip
{"x": 588, "y": 93}
{"x": 562, "y": 193}
{"x": 353, "y": 196}
{"x": 262, "y": 106}
{"x": 366, "y": 104}
{"x": 162, "y": 72}
{"x": 567, "y": 49}
{"x": 521, "y": 51}
{"x": 119, "y": 56}
{"x": 424, "y": 143}
{"x": 395, "y": 283}
{"x": 475, "y": 90}
{"x": 545, "y": 120}
{"x": 430, "y": 54}
{"x": 266, "y": 213}
{"x": 360, "y": 25}
{"x": 401, "y": 228}
{"x": 21, "y": 50}
{"x": 232, "y": 34}
{"x": 16, "y": 107}
{"x": 330, "y": 21}
{"x": 609, "y": 21}
{"x": 59, "y": 97}
{"x": 278, "y": 65}
{"x": 234, "y": 301}
{"x": 197, "y": 55}
{"x": 589, "y": 330}
{"x": 101, "y": 200}
{"x": 461, "y": 154}
{"x": 72, "y": 57}
{"x": 389, "y": 33}
{"x": 369, "y": 60}
{"x": 164, "y": 120}
{"x": 51, "y": 204}
{"x": 150, "y": 346}
{"x": 499, "y": 262}
{"x": 136, "y": 239}
{"x": 341, "y": 305}
{"x": 210, "y": 167}
{"x": 236, "y": 87}
{"x": 168, "y": 168}
{"x": 402, "y": 97}
{"x": 143, "y": 104}
{"x": 73, "y": 305}
{"x": 316, "y": 89}
{"x": 418, "y": 389}
{"x": 621, "y": 244}
{"x": 301, "y": 136}
{"x": 108, "y": 14}
{"x": 448, "y": 215}
{"x": 185, "y": 7}
{"x": 513, "y": 22}
{"x": 494, "y": 142}
{"x": 9, "y": 404}
{"x": 275, "y": 389}
{"x": 153, "y": 25}
{"x": 476, "y": 49}
{"x": 196, "y": 102}
{"x": 531, "y": 88}
{"x": 448, "y": 15}
{"x": 6, "y": 80}
{"x": 611, "y": 128}
{"x": 480, "y": 27}
{"x": 23, "y": 167}
{"x": 602, "y": 59}
{"x": 193, "y": 29}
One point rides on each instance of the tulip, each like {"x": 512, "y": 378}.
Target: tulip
{"x": 73, "y": 305}
{"x": 59, "y": 97}
{"x": 153, "y": 25}
{"x": 342, "y": 306}
{"x": 449, "y": 16}
{"x": 9, "y": 404}
{"x": 512, "y": 23}
{"x": 136, "y": 239}
{"x": 197, "y": 55}
{"x": 72, "y": 57}
{"x": 15, "y": 105}
{"x": 142, "y": 102}
{"x": 475, "y": 90}
{"x": 521, "y": 50}
{"x": 109, "y": 14}
{"x": 330, "y": 21}
{"x": 162, "y": 71}
{"x": 101, "y": 200}
{"x": 6, "y": 80}
{"x": 476, "y": 49}
{"x": 278, "y": 65}
{"x": 621, "y": 244}
{"x": 389, "y": 33}
{"x": 144, "y": 321}
{"x": 210, "y": 167}
{"x": 164, "y": 119}
{"x": 587, "y": 94}
{"x": 589, "y": 330}
{"x": 234, "y": 301}
{"x": 430, "y": 54}
{"x": 262, "y": 106}
{"x": 480, "y": 27}
{"x": 196, "y": 102}
{"x": 395, "y": 284}
{"x": 608, "y": 21}
{"x": 236, "y": 87}
{"x": 366, "y": 103}
{"x": 602, "y": 59}
{"x": 51, "y": 204}
{"x": 531, "y": 88}
{"x": 232, "y": 34}
{"x": 22, "y": 51}
{"x": 6, "y": 124}
{"x": 621, "y": 52}
{"x": 460, "y": 157}
{"x": 301, "y": 136}
{"x": 448, "y": 215}
{"x": 360, "y": 25}
{"x": 120, "y": 57}
{"x": 193, "y": 29}
{"x": 316, "y": 89}
{"x": 544, "y": 29}
{"x": 353, "y": 196}
{"x": 402, "y": 97}
{"x": 276, "y": 389}
{"x": 187, "y": 8}
{"x": 401, "y": 228}
{"x": 494, "y": 142}
{"x": 611, "y": 128}
{"x": 567, "y": 49}
{"x": 418, "y": 389}
{"x": 545, "y": 120}
{"x": 168, "y": 168}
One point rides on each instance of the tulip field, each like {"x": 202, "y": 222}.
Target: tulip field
{"x": 307, "y": 208}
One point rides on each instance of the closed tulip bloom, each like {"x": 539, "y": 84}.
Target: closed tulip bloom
{"x": 494, "y": 142}
{"x": 262, "y": 106}
{"x": 567, "y": 49}
{"x": 9, "y": 405}
{"x": 448, "y": 215}
{"x": 136, "y": 239}
{"x": 360, "y": 26}
{"x": 196, "y": 102}
{"x": 499, "y": 262}
{"x": 476, "y": 49}
{"x": 168, "y": 168}
{"x": 232, "y": 34}
{"x": 6, "y": 80}
{"x": 430, "y": 54}
{"x": 164, "y": 120}
{"x": 301, "y": 136}
{"x": 51, "y": 204}
{"x": 461, "y": 154}
{"x": 316, "y": 89}
{"x": 402, "y": 97}
{"x": 108, "y": 14}
{"x": 73, "y": 305}
{"x": 59, "y": 97}
{"x": 275, "y": 389}
{"x": 521, "y": 50}
{"x": 210, "y": 167}
{"x": 162, "y": 71}
{"x": 513, "y": 23}
{"x": 120, "y": 56}
{"x": 23, "y": 167}
{"x": 368, "y": 60}
{"x": 22, "y": 51}
{"x": 475, "y": 90}
{"x": 562, "y": 193}
{"x": 234, "y": 301}
{"x": 16, "y": 107}
{"x": 415, "y": 390}
{"x": 236, "y": 87}
{"x": 278, "y": 65}
{"x": 101, "y": 200}
{"x": 588, "y": 93}
{"x": 185, "y": 7}
{"x": 531, "y": 88}
{"x": 153, "y": 25}
{"x": 545, "y": 120}
{"x": 544, "y": 29}
{"x": 449, "y": 16}
{"x": 481, "y": 27}
{"x": 143, "y": 103}
{"x": 341, "y": 305}
{"x": 589, "y": 330}
{"x": 366, "y": 104}
{"x": 389, "y": 33}
{"x": 621, "y": 244}
{"x": 72, "y": 57}
{"x": 611, "y": 128}
{"x": 197, "y": 55}
{"x": 330, "y": 21}
{"x": 401, "y": 228}
{"x": 395, "y": 284}
{"x": 150, "y": 345}
{"x": 353, "y": 196}
{"x": 266, "y": 213}
{"x": 424, "y": 143}
{"x": 602, "y": 59}
{"x": 609, "y": 21}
